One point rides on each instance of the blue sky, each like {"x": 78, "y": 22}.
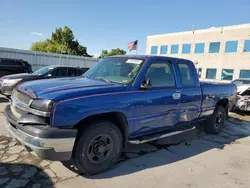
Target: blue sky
{"x": 109, "y": 24}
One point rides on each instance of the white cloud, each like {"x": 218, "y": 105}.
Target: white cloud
{"x": 95, "y": 54}
{"x": 35, "y": 33}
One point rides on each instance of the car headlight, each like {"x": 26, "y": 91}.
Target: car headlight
{"x": 42, "y": 105}
{"x": 10, "y": 82}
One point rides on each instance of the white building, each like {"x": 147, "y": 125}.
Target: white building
{"x": 221, "y": 53}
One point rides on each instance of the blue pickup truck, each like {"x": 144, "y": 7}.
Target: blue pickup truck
{"x": 122, "y": 99}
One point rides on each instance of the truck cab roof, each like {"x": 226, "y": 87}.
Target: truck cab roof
{"x": 150, "y": 57}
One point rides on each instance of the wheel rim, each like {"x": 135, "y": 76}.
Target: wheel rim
{"x": 100, "y": 148}
{"x": 218, "y": 120}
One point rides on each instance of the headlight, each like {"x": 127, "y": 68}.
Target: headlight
{"x": 42, "y": 105}
{"x": 10, "y": 82}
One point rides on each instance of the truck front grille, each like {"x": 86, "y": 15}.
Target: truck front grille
{"x": 19, "y": 102}
{"x": 21, "y": 97}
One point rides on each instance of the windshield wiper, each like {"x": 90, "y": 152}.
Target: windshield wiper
{"x": 101, "y": 78}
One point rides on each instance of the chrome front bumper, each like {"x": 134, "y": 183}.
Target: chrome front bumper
{"x": 45, "y": 148}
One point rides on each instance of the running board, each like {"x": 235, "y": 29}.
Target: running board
{"x": 159, "y": 136}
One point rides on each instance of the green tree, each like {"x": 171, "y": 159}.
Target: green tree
{"x": 62, "y": 41}
{"x": 117, "y": 51}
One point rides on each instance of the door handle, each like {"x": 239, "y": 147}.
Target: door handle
{"x": 176, "y": 96}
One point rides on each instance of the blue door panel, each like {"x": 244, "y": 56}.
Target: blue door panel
{"x": 155, "y": 110}
{"x": 190, "y": 104}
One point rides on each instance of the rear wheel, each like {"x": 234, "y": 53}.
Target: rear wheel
{"x": 98, "y": 148}
{"x": 216, "y": 122}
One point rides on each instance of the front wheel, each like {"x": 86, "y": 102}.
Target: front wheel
{"x": 216, "y": 122}
{"x": 98, "y": 148}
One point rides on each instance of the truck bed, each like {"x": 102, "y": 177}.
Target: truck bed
{"x": 212, "y": 92}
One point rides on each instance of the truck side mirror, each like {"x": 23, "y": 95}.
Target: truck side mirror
{"x": 146, "y": 84}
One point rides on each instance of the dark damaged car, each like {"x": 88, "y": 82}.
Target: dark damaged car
{"x": 243, "y": 94}
{"x": 8, "y": 83}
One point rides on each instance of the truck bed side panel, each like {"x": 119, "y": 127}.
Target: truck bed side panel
{"x": 212, "y": 93}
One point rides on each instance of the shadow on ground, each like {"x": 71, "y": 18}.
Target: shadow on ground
{"x": 23, "y": 175}
{"x": 243, "y": 113}
{"x": 18, "y": 168}
{"x": 174, "y": 149}
{"x": 3, "y": 100}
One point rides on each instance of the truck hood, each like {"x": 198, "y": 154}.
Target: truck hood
{"x": 63, "y": 88}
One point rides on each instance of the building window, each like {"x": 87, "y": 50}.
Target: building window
{"x": 211, "y": 73}
{"x": 186, "y": 48}
{"x": 199, "y": 71}
{"x": 154, "y": 50}
{"x": 199, "y": 48}
{"x": 231, "y": 46}
{"x": 246, "y": 46}
{"x": 174, "y": 49}
{"x": 227, "y": 74}
{"x": 164, "y": 49}
{"x": 214, "y": 47}
{"x": 244, "y": 73}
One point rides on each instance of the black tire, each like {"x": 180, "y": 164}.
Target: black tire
{"x": 84, "y": 156}
{"x": 216, "y": 122}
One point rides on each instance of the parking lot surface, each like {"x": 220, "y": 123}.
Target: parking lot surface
{"x": 190, "y": 160}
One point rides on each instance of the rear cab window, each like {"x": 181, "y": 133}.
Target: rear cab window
{"x": 187, "y": 77}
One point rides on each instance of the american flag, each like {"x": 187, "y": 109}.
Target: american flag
{"x": 132, "y": 45}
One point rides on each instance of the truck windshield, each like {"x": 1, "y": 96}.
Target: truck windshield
{"x": 121, "y": 70}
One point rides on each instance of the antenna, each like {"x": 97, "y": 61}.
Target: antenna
{"x": 193, "y": 28}
{"x": 221, "y": 30}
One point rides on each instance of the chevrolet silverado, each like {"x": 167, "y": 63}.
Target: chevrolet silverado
{"x": 122, "y": 99}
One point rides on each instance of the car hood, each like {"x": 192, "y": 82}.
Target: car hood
{"x": 63, "y": 88}
{"x": 19, "y": 76}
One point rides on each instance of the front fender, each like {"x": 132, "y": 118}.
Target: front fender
{"x": 69, "y": 112}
